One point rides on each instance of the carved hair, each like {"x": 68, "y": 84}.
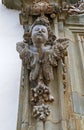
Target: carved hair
{"x": 41, "y": 21}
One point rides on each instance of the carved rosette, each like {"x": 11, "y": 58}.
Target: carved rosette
{"x": 41, "y": 94}
{"x": 40, "y": 97}
{"x": 41, "y": 112}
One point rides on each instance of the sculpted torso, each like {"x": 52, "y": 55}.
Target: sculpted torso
{"x": 39, "y": 38}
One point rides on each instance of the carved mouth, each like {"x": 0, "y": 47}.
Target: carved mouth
{"x": 40, "y": 34}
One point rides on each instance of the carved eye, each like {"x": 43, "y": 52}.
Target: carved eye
{"x": 43, "y": 30}
{"x": 40, "y": 29}
{"x": 37, "y": 29}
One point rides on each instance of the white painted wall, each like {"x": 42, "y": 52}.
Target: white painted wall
{"x": 11, "y": 32}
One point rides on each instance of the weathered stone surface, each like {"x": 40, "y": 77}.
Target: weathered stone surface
{"x": 76, "y": 102}
{"x": 75, "y": 19}
{"x": 40, "y": 56}
{"x": 12, "y": 4}
{"x": 81, "y": 104}
{"x": 72, "y": 1}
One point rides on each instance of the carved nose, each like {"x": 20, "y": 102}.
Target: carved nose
{"x": 40, "y": 30}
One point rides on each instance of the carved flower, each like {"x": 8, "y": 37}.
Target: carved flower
{"x": 41, "y": 112}
{"x": 40, "y": 89}
{"x": 41, "y": 93}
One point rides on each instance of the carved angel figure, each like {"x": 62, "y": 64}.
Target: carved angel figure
{"x": 41, "y": 51}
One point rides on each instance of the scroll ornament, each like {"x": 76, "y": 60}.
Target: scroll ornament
{"x": 72, "y": 9}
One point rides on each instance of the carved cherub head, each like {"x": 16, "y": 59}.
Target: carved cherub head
{"x": 39, "y": 35}
{"x": 40, "y": 32}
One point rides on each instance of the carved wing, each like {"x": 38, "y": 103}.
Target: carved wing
{"x": 52, "y": 56}
{"x": 24, "y": 53}
{"x": 58, "y": 51}
{"x": 29, "y": 58}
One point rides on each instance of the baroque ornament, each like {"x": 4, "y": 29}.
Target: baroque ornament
{"x": 42, "y": 7}
{"x": 77, "y": 8}
{"x": 40, "y": 52}
{"x": 41, "y": 112}
{"x": 39, "y": 7}
{"x": 41, "y": 94}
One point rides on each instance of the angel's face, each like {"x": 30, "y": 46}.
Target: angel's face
{"x": 39, "y": 35}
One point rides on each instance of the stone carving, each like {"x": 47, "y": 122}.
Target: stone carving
{"x": 42, "y": 7}
{"x": 40, "y": 52}
{"x": 41, "y": 112}
{"x": 39, "y": 7}
{"x": 13, "y": 4}
{"x": 41, "y": 94}
{"x": 77, "y": 8}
